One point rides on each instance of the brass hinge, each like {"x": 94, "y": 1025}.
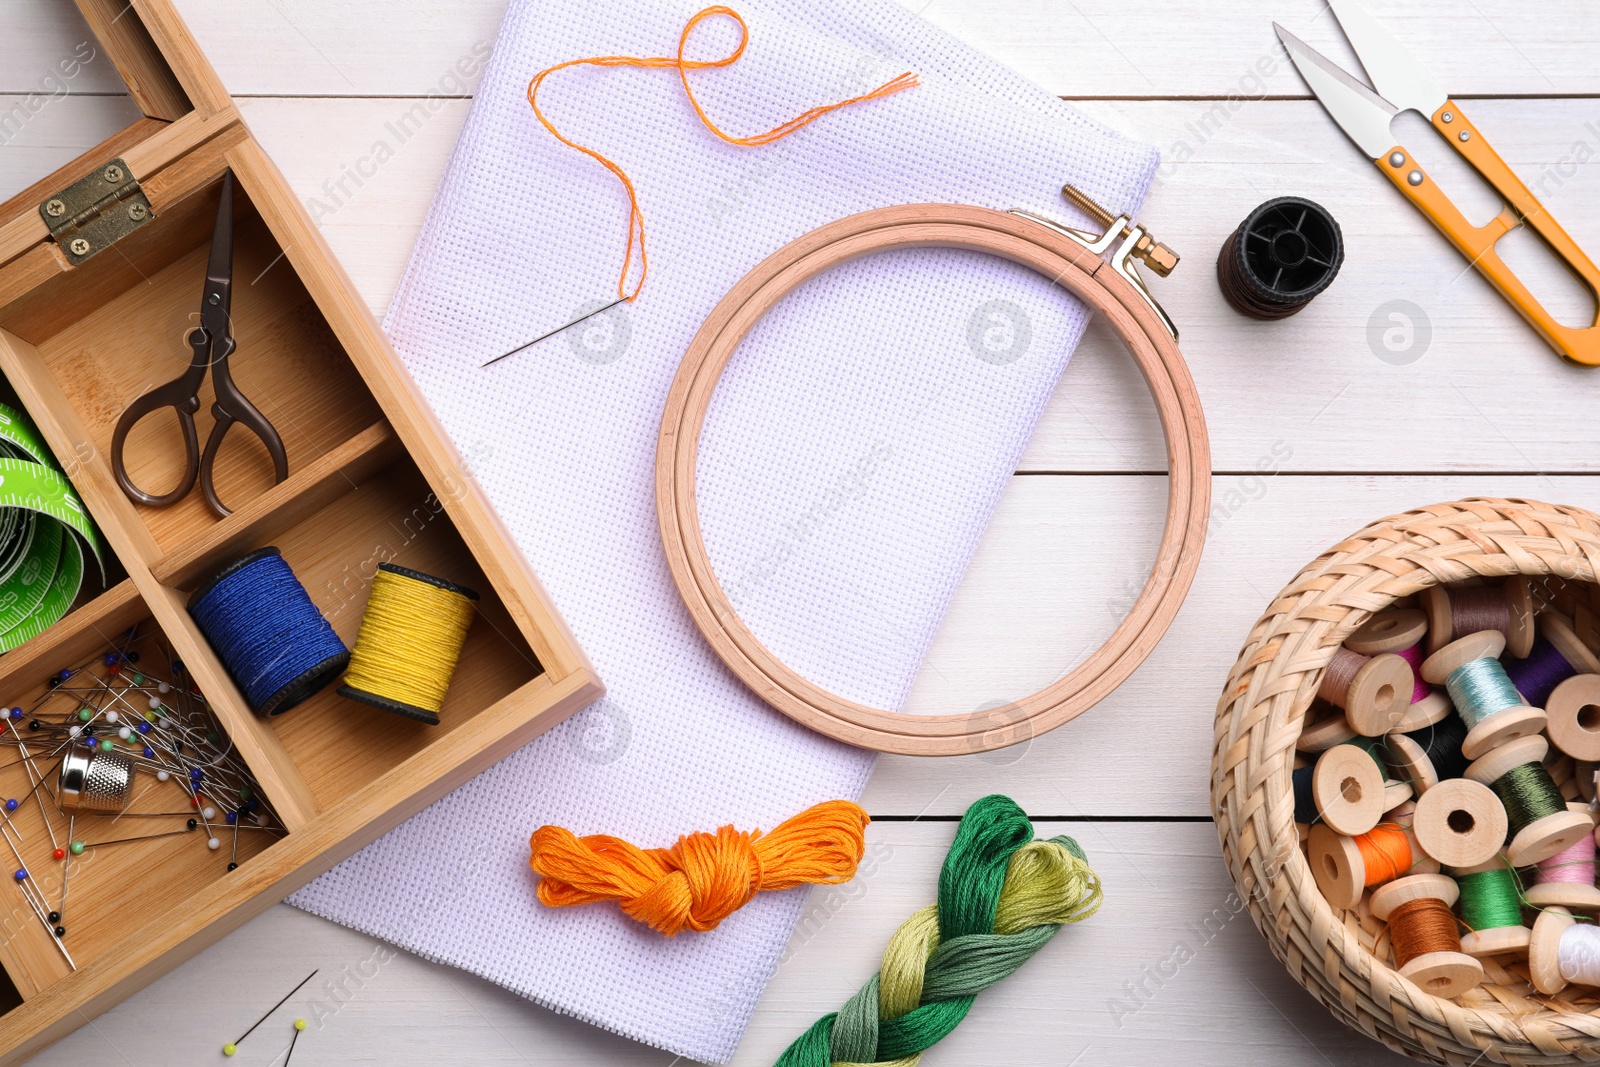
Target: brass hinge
{"x": 94, "y": 213}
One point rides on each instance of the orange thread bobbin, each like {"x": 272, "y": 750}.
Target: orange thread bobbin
{"x": 704, "y": 877}
{"x": 683, "y": 66}
{"x": 1385, "y": 852}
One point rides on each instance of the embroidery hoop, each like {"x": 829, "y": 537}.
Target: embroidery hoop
{"x": 1073, "y": 260}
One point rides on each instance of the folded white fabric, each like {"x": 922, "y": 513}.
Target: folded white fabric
{"x": 852, "y": 456}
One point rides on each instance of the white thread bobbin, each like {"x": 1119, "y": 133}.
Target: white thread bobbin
{"x": 1503, "y": 724}
{"x": 1563, "y": 952}
{"x": 1519, "y": 626}
{"x": 1498, "y": 940}
{"x": 1543, "y": 837}
{"x": 1460, "y": 823}
{"x": 1375, "y": 692}
{"x": 1444, "y": 974}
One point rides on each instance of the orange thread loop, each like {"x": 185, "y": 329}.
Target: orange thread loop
{"x": 704, "y": 877}
{"x": 683, "y": 66}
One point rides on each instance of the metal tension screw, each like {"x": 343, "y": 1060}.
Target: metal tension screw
{"x": 113, "y": 174}
{"x": 79, "y": 247}
{"x": 56, "y": 209}
{"x": 138, "y": 212}
{"x": 1155, "y": 255}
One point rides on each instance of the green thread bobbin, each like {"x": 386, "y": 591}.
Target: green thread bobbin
{"x": 1529, "y": 794}
{"x": 1490, "y": 899}
{"x": 1002, "y": 897}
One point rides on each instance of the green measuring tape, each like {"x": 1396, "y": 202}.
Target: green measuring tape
{"x": 41, "y": 562}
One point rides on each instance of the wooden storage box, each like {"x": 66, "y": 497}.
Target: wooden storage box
{"x": 371, "y": 478}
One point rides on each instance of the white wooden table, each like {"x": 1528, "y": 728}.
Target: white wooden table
{"x": 1316, "y": 429}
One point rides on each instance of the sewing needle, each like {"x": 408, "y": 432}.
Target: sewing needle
{"x": 555, "y": 331}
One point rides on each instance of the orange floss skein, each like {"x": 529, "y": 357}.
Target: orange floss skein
{"x": 683, "y": 66}
{"x": 704, "y": 877}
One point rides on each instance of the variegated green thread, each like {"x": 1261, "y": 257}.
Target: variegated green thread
{"x": 1002, "y": 896}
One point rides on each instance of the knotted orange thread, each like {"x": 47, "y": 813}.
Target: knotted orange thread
{"x": 703, "y": 878}
{"x": 683, "y": 66}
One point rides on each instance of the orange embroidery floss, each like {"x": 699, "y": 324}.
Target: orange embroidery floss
{"x": 704, "y": 877}
{"x": 1385, "y": 852}
{"x": 683, "y": 66}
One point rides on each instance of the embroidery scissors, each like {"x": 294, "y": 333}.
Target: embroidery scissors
{"x": 212, "y": 343}
{"x": 1405, "y": 85}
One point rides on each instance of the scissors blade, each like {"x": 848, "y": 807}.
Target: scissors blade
{"x": 1361, "y": 113}
{"x": 1394, "y": 71}
{"x": 217, "y": 300}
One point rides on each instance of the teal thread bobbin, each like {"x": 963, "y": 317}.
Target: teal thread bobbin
{"x": 1482, "y": 692}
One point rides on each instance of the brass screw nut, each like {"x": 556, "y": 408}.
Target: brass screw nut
{"x": 1157, "y": 256}
{"x": 138, "y": 212}
{"x": 79, "y": 246}
{"x": 113, "y": 174}
{"x": 55, "y": 209}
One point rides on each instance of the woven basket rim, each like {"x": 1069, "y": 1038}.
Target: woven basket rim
{"x": 1259, "y": 716}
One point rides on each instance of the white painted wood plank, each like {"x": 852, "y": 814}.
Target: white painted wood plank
{"x": 1168, "y": 899}
{"x": 1060, "y": 555}
{"x": 1147, "y": 48}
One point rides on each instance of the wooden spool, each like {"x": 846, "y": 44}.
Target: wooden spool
{"x": 1497, "y": 940}
{"x": 1055, "y": 255}
{"x": 1379, "y": 694}
{"x": 1348, "y": 788}
{"x": 1505, "y": 725}
{"x": 1541, "y": 838}
{"x": 1389, "y": 631}
{"x": 1444, "y": 974}
{"x": 1559, "y": 632}
{"x": 1338, "y": 868}
{"x": 1519, "y": 632}
{"x": 1331, "y": 729}
{"x": 1573, "y": 709}
{"x": 1460, "y": 823}
{"x": 1578, "y": 896}
{"x": 1413, "y": 765}
{"x": 1544, "y": 950}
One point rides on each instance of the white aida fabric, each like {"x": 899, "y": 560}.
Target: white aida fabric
{"x": 851, "y": 459}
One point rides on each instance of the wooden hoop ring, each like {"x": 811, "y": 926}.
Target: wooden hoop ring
{"x": 1067, "y": 264}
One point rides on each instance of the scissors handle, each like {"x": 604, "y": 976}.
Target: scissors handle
{"x": 1580, "y": 345}
{"x": 1476, "y": 150}
{"x": 180, "y": 397}
{"x": 232, "y": 407}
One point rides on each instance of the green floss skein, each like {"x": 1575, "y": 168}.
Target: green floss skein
{"x": 1002, "y": 896}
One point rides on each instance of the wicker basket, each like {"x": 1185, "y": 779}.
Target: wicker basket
{"x": 1259, "y": 718}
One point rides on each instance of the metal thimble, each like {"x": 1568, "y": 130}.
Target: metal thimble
{"x": 94, "y": 782}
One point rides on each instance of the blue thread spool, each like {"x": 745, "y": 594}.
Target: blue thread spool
{"x": 275, "y": 643}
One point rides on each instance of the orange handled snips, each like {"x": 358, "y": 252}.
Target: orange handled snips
{"x": 1364, "y": 115}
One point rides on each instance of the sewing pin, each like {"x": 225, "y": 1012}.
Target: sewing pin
{"x": 299, "y": 1025}
{"x": 557, "y": 330}
{"x": 233, "y": 1046}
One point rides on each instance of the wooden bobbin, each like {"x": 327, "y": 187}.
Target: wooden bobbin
{"x": 1519, "y": 632}
{"x": 1339, "y": 869}
{"x": 1505, "y": 725}
{"x": 1410, "y": 763}
{"x": 1578, "y": 896}
{"x": 1544, "y": 950}
{"x": 1460, "y": 823}
{"x": 1583, "y": 773}
{"x": 1389, "y": 631}
{"x": 1347, "y": 786}
{"x": 1329, "y": 729}
{"x": 1425, "y": 712}
{"x": 1500, "y": 940}
{"x": 1541, "y": 838}
{"x": 1379, "y": 694}
{"x": 1396, "y": 793}
{"x": 1573, "y": 709}
{"x": 1559, "y": 632}
{"x": 1444, "y": 974}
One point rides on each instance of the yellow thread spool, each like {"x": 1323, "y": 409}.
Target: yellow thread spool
{"x": 411, "y": 636}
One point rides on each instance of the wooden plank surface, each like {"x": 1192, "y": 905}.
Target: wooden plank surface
{"x": 1316, "y": 427}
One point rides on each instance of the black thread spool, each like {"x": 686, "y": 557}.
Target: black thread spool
{"x": 1282, "y": 255}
